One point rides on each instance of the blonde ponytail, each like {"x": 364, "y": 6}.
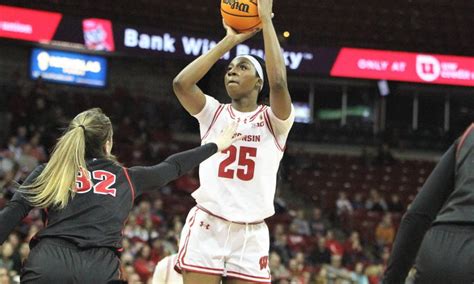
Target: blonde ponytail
{"x": 57, "y": 182}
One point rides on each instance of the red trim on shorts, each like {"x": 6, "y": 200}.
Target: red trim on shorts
{"x": 463, "y": 138}
{"x": 269, "y": 125}
{"x": 222, "y": 218}
{"x": 189, "y": 267}
{"x": 247, "y": 280}
{"x": 216, "y": 115}
{"x": 132, "y": 189}
{"x": 249, "y": 276}
{"x": 200, "y": 272}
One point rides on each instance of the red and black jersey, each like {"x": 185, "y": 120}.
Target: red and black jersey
{"x": 95, "y": 216}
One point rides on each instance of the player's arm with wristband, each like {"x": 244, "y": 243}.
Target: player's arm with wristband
{"x": 185, "y": 86}
{"x": 154, "y": 177}
{"x": 17, "y": 208}
{"x": 419, "y": 217}
{"x": 280, "y": 100}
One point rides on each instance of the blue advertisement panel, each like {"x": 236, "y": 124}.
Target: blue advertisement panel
{"x": 68, "y": 67}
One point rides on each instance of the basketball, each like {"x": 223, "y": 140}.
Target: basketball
{"x": 241, "y": 15}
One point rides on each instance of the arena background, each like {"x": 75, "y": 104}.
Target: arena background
{"x": 382, "y": 89}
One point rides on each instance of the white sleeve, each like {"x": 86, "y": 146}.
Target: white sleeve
{"x": 281, "y": 127}
{"x": 206, "y": 115}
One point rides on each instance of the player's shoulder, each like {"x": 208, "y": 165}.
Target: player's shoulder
{"x": 106, "y": 165}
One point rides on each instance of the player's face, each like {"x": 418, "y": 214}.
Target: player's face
{"x": 241, "y": 78}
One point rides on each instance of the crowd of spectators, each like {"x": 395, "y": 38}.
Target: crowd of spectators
{"x": 309, "y": 244}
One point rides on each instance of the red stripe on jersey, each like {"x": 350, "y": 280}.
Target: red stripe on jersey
{"x": 132, "y": 189}
{"x": 262, "y": 107}
{"x": 231, "y": 112}
{"x": 463, "y": 138}
{"x": 216, "y": 115}
{"x": 269, "y": 124}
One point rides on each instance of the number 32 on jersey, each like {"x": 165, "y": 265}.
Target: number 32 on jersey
{"x": 104, "y": 186}
{"x": 243, "y": 156}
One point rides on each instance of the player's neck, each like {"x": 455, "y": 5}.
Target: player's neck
{"x": 244, "y": 105}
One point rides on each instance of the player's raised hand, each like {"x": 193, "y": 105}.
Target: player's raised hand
{"x": 227, "y": 137}
{"x": 239, "y": 37}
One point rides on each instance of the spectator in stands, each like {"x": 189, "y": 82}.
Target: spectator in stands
{"x": 21, "y": 135}
{"x": 6, "y": 260}
{"x": 385, "y": 231}
{"x": 279, "y": 271}
{"x": 300, "y": 223}
{"x": 320, "y": 254}
{"x": 37, "y": 150}
{"x": 143, "y": 264}
{"x": 6, "y": 164}
{"x": 343, "y": 205}
{"x": 27, "y": 162}
{"x": 14, "y": 147}
{"x": 319, "y": 223}
{"x": 358, "y": 201}
{"x": 353, "y": 248}
{"x": 296, "y": 241}
{"x": 336, "y": 272}
{"x": 375, "y": 202}
{"x": 280, "y": 246}
{"x": 4, "y": 277}
{"x": 395, "y": 204}
{"x": 296, "y": 271}
{"x": 334, "y": 246}
{"x": 187, "y": 183}
{"x": 358, "y": 276}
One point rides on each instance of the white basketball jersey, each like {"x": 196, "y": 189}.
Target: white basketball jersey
{"x": 238, "y": 184}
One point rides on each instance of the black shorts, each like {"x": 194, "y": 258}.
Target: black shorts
{"x": 58, "y": 261}
{"x": 446, "y": 256}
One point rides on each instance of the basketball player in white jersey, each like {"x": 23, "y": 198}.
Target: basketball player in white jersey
{"x": 225, "y": 236}
{"x": 165, "y": 273}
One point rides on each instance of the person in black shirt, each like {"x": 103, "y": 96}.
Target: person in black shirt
{"x": 86, "y": 197}
{"x": 445, "y": 208}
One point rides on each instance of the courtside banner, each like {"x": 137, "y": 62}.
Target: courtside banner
{"x": 27, "y": 24}
{"x": 404, "y": 66}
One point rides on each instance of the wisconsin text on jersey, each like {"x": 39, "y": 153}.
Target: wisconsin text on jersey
{"x": 248, "y": 138}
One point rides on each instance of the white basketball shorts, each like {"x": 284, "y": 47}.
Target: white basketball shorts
{"x": 212, "y": 245}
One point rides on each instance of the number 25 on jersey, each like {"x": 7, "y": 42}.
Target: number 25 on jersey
{"x": 245, "y": 162}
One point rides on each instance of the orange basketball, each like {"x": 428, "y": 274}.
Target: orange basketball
{"x": 241, "y": 15}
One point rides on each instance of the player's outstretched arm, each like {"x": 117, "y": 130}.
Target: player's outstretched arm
{"x": 280, "y": 100}
{"x": 185, "y": 86}
{"x": 419, "y": 217}
{"x": 16, "y": 209}
{"x": 154, "y": 177}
